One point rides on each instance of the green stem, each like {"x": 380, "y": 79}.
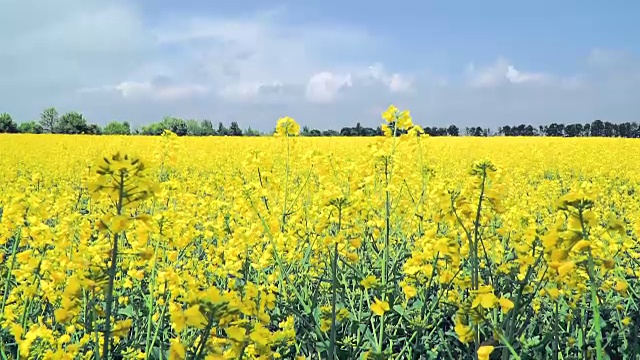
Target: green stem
{"x": 334, "y": 288}
{"x": 385, "y": 254}
{"x": 14, "y": 251}
{"x": 150, "y": 304}
{"x": 112, "y": 275}
{"x": 593, "y": 287}
{"x": 2, "y": 353}
{"x": 555, "y": 332}
{"x": 508, "y": 345}
{"x": 595, "y": 307}
{"x": 203, "y": 340}
{"x": 334, "y": 281}
{"x": 286, "y": 186}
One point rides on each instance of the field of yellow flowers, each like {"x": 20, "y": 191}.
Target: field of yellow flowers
{"x": 399, "y": 247}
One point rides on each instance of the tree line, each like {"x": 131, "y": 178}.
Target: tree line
{"x": 75, "y": 123}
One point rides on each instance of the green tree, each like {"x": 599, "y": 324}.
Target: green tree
{"x": 177, "y": 125}
{"x": 251, "y": 132}
{"x": 194, "y": 128}
{"x": 93, "y": 129}
{"x": 222, "y": 131}
{"x": 153, "y": 129}
{"x": 49, "y": 120}
{"x": 234, "y": 129}
{"x": 72, "y": 123}
{"x": 7, "y": 125}
{"x": 117, "y": 128}
{"x": 30, "y": 127}
{"x": 207, "y": 128}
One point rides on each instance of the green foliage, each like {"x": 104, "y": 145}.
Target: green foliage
{"x": 117, "y": 128}
{"x": 93, "y": 129}
{"x": 153, "y": 129}
{"x": 222, "y": 131}
{"x": 251, "y": 132}
{"x": 30, "y": 127}
{"x": 234, "y": 129}
{"x": 72, "y": 123}
{"x": 7, "y": 125}
{"x": 193, "y": 128}
{"x": 49, "y": 120}
{"x": 75, "y": 123}
{"x": 207, "y": 128}
{"x": 176, "y": 125}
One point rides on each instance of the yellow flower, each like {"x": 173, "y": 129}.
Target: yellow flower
{"x": 287, "y": 127}
{"x": 485, "y": 298}
{"x": 409, "y": 291}
{"x": 404, "y": 120}
{"x": 484, "y": 352}
{"x": 177, "y": 350}
{"x": 390, "y": 114}
{"x": 465, "y": 333}
{"x": 621, "y": 287}
{"x": 505, "y": 304}
{"x": 236, "y": 333}
{"x": 61, "y": 315}
{"x": 379, "y": 307}
{"x": 566, "y": 268}
{"x": 190, "y": 317}
{"x": 387, "y": 132}
{"x": 553, "y": 293}
{"x": 122, "y": 328}
{"x": 260, "y": 335}
{"x": 369, "y": 281}
{"x": 325, "y": 325}
{"x": 342, "y": 314}
{"x": 119, "y": 223}
{"x": 581, "y": 245}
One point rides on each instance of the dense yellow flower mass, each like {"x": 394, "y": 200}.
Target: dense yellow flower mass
{"x": 398, "y": 247}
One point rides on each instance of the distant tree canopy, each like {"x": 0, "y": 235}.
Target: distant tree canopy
{"x": 597, "y": 128}
{"x": 72, "y": 123}
{"x": 30, "y": 127}
{"x": 49, "y": 120}
{"x": 7, "y": 125}
{"x": 117, "y": 128}
{"x": 75, "y": 123}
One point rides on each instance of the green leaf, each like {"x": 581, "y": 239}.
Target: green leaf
{"x": 127, "y": 311}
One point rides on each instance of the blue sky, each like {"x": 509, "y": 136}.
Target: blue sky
{"x": 326, "y": 63}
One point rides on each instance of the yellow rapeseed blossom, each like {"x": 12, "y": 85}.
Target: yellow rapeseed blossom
{"x": 484, "y": 352}
{"x": 379, "y": 307}
{"x": 269, "y": 248}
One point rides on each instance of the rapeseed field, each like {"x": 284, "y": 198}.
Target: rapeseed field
{"x": 286, "y": 247}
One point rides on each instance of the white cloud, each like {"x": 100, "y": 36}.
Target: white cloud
{"x": 394, "y": 82}
{"x": 255, "y": 92}
{"x": 324, "y": 86}
{"x": 518, "y": 77}
{"x": 399, "y": 83}
{"x": 503, "y": 72}
{"x": 259, "y": 49}
{"x": 132, "y": 89}
{"x": 158, "y": 89}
